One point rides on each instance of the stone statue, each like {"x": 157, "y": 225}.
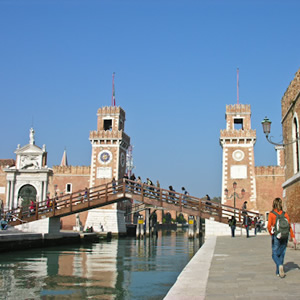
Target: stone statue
{"x": 31, "y": 136}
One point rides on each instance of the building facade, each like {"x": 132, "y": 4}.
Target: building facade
{"x": 241, "y": 179}
{"x": 290, "y": 109}
{"x": 29, "y": 179}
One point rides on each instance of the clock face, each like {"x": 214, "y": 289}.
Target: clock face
{"x": 238, "y": 155}
{"x": 123, "y": 160}
{"x": 105, "y": 157}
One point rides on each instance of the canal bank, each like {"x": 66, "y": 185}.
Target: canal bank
{"x": 15, "y": 240}
{"x": 237, "y": 268}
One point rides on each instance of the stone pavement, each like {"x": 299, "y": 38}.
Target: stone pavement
{"x": 237, "y": 268}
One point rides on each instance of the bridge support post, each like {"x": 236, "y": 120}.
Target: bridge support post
{"x": 191, "y": 232}
{"x": 140, "y": 227}
{"x": 198, "y": 226}
{"x": 147, "y": 220}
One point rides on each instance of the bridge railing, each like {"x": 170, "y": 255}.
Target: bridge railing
{"x": 87, "y": 196}
{"x": 200, "y": 205}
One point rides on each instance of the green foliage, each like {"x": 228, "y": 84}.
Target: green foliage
{"x": 180, "y": 219}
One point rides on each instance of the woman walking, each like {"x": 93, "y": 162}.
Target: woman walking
{"x": 279, "y": 228}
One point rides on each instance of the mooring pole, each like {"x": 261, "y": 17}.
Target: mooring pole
{"x": 191, "y": 232}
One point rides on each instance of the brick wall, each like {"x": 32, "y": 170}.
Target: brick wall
{"x": 79, "y": 177}
{"x": 269, "y": 182}
{"x": 290, "y": 105}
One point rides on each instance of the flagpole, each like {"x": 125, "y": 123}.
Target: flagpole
{"x": 237, "y": 83}
{"x": 113, "y": 99}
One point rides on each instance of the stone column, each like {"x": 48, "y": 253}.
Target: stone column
{"x": 8, "y": 194}
{"x": 12, "y": 194}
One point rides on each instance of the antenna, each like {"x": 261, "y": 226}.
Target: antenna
{"x": 237, "y": 88}
{"x": 113, "y": 96}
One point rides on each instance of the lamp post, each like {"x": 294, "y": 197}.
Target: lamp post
{"x": 266, "y": 124}
{"x": 235, "y": 195}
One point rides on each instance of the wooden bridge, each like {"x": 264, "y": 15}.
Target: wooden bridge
{"x": 149, "y": 196}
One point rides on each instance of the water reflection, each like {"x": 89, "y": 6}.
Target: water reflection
{"x": 120, "y": 269}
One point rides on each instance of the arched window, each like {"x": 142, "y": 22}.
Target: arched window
{"x": 295, "y": 136}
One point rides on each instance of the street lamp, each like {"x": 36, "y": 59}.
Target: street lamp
{"x": 234, "y": 194}
{"x": 266, "y": 124}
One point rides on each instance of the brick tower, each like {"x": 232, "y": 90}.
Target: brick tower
{"x": 238, "y": 168}
{"x": 109, "y": 146}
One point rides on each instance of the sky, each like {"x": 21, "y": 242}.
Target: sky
{"x": 175, "y": 64}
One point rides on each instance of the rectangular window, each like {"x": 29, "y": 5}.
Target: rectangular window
{"x": 69, "y": 188}
{"x": 238, "y": 124}
{"x": 107, "y": 125}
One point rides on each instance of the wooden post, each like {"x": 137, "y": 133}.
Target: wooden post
{"x": 142, "y": 192}
{"x": 36, "y": 210}
{"x": 124, "y": 187}
{"x": 71, "y": 203}
{"x": 191, "y": 232}
{"x": 180, "y": 203}
{"x": 220, "y": 212}
{"x": 147, "y": 211}
{"x": 200, "y": 205}
{"x": 198, "y": 227}
{"x": 106, "y": 191}
{"x": 140, "y": 227}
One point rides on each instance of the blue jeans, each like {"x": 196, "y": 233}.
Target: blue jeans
{"x": 232, "y": 230}
{"x": 278, "y": 251}
{"x": 247, "y": 231}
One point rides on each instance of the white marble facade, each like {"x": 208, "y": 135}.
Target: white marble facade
{"x": 30, "y": 170}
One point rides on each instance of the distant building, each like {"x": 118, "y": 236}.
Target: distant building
{"x": 28, "y": 178}
{"x": 241, "y": 179}
{"x": 290, "y": 109}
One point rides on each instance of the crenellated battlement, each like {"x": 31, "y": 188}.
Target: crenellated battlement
{"x": 238, "y": 109}
{"x": 111, "y": 110}
{"x": 72, "y": 170}
{"x": 110, "y": 135}
{"x": 269, "y": 170}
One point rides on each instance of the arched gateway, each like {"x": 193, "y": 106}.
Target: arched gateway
{"x": 26, "y": 194}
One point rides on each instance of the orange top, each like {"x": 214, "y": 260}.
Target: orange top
{"x": 272, "y": 221}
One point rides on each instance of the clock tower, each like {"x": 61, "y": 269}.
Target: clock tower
{"x": 108, "y": 161}
{"x": 238, "y": 168}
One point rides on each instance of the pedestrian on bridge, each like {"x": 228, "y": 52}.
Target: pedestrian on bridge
{"x": 185, "y": 193}
{"x": 138, "y": 183}
{"x": 158, "y": 188}
{"x": 114, "y": 185}
{"x": 132, "y": 178}
{"x": 244, "y": 208}
{"x": 150, "y": 184}
{"x": 232, "y": 225}
{"x": 172, "y": 195}
{"x": 247, "y": 223}
{"x": 208, "y": 202}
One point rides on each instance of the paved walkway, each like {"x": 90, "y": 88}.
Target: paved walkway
{"x": 237, "y": 268}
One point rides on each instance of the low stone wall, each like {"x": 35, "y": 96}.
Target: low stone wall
{"x": 214, "y": 228}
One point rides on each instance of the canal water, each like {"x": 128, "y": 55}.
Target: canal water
{"x": 119, "y": 269}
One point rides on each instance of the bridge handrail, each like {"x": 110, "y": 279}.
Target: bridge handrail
{"x": 121, "y": 188}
